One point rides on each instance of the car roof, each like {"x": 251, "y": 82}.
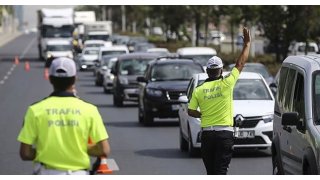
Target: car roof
{"x": 138, "y": 55}
{"x": 196, "y": 51}
{"x": 169, "y": 61}
{"x": 308, "y": 62}
{"x": 243, "y": 75}
{"x": 116, "y": 47}
{"x": 58, "y": 42}
{"x": 158, "y": 50}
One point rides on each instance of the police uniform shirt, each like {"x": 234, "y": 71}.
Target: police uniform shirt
{"x": 214, "y": 98}
{"x": 59, "y": 126}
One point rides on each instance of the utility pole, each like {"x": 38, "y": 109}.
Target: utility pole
{"x": 123, "y": 15}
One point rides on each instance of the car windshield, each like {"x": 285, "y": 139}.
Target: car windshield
{"x": 202, "y": 59}
{"x": 53, "y": 32}
{"x": 105, "y": 53}
{"x": 98, "y": 37}
{"x": 59, "y": 47}
{"x": 134, "y": 66}
{"x": 91, "y": 52}
{"x": 316, "y": 104}
{"x": 174, "y": 71}
{"x": 94, "y": 45}
{"x": 303, "y": 47}
{"x": 106, "y": 60}
{"x": 250, "y": 89}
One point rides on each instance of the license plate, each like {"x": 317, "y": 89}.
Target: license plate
{"x": 175, "y": 107}
{"x": 246, "y": 134}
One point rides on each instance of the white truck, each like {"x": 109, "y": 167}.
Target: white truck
{"x": 99, "y": 30}
{"x": 52, "y": 24}
{"x": 80, "y": 19}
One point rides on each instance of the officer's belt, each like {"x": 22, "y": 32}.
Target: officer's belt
{"x": 217, "y": 128}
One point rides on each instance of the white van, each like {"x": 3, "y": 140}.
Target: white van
{"x": 58, "y": 48}
{"x": 199, "y": 54}
{"x": 296, "y": 126}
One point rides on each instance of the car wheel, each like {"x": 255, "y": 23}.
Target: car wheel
{"x": 147, "y": 118}
{"x": 117, "y": 101}
{"x": 140, "y": 114}
{"x": 192, "y": 150}
{"x": 183, "y": 142}
{"x": 276, "y": 166}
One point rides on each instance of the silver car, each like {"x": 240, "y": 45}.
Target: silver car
{"x": 88, "y": 58}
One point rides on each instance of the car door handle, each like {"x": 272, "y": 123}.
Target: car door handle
{"x": 286, "y": 128}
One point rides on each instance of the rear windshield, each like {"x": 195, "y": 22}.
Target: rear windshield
{"x": 175, "y": 71}
{"x": 134, "y": 66}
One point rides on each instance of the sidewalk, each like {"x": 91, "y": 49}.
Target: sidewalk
{"x": 7, "y": 37}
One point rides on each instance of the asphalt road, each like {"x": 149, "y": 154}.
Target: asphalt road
{"x": 136, "y": 149}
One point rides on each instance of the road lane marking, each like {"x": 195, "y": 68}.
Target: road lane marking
{"x": 27, "y": 48}
{"x": 20, "y": 57}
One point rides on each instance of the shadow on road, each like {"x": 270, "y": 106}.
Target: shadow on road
{"x": 159, "y": 123}
{"x": 251, "y": 153}
{"x": 163, "y": 153}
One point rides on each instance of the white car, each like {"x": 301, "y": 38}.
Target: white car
{"x": 298, "y": 48}
{"x": 108, "y": 76}
{"x": 88, "y": 58}
{"x": 97, "y": 43}
{"x": 160, "y": 51}
{"x": 199, "y": 54}
{"x": 253, "y": 105}
{"x": 59, "y": 48}
{"x": 113, "y": 50}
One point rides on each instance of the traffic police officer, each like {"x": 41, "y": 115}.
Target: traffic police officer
{"x": 60, "y": 126}
{"x": 215, "y": 100}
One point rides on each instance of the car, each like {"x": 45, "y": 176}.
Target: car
{"x": 296, "y": 135}
{"x": 143, "y": 46}
{"x": 58, "y": 48}
{"x": 125, "y": 71}
{"x": 199, "y": 54}
{"x": 253, "y": 105}
{"x": 97, "y": 43}
{"x": 160, "y": 51}
{"x": 113, "y": 50}
{"x": 88, "y": 58}
{"x": 298, "y": 48}
{"x": 103, "y": 67}
{"x": 108, "y": 77}
{"x": 164, "y": 81}
{"x": 258, "y": 68}
{"x": 135, "y": 40}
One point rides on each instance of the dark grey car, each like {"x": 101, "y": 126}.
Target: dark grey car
{"x": 126, "y": 70}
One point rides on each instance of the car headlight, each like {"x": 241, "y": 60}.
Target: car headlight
{"x": 123, "y": 80}
{"x": 49, "y": 55}
{"x": 268, "y": 118}
{"x": 154, "y": 92}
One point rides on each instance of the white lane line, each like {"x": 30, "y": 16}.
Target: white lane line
{"x": 27, "y": 48}
{"x": 20, "y": 57}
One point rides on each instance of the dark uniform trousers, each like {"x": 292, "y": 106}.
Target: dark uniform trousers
{"x": 216, "y": 151}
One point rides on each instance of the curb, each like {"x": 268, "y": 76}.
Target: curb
{"x": 5, "y": 38}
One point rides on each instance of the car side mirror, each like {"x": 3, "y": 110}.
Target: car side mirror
{"x": 141, "y": 79}
{"x": 183, "y": 99}
{"x": 273, "y": 85}
{"x": 290, "y": 119}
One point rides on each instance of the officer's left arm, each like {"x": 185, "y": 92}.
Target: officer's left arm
{"x": 27, "y": 153}
{"x": 194, "y": 113}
